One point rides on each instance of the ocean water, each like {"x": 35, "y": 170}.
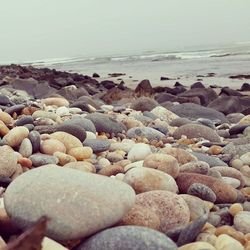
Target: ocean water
{"x": 223, "y": 61}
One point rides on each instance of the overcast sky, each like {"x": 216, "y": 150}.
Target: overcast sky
{"x": 39, "y": 29}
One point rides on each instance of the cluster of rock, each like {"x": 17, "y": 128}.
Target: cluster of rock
{"x": 163, "y": 168}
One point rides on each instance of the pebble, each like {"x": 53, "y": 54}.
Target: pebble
{"x": 197, "y": 246}
{"x": 111, "y": 170}
{"x": 57, "y": 101}
{"x": 128, "y": 237}
{"x": 15, "y": 136}
{"x": 51, "y": 146}
{"x": 235, "y": 208}
{"x": 242, "y": 221}
{"x": 8, "y": 161}
{"x": 87, "y": 194}
{"x": 138, "y": 152}
{"x": 74, "y": 130}
{"x": 6, "y": 118}
{"x": 35, "y": 140}
{"x": 171, "y": 209}
{"x": 42, "y": 159}
{"x": 147, "y": 132}
{"x": 245, "y": 158}
{"x": 231, "y": 181}
{"x": 63, "y": 158}
{"x": 81, "y": 166}
{"x": 162, "y": 162}
{"x": 97, "y": 145}
{"x": 146, "y": 179}
{"x": 28, "y": 119}
{"x": 225, "y": 242}
{"x": 199, "y": 167}
{"x": 4, "y": 130}
{"x": 81, "y": 153}
{"x": 25, "y": 148}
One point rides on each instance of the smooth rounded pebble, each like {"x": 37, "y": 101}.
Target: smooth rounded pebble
{"x": 68, "y": 140}
{"x": 25, "y": 148}
{"x": 97, "y": 145}
{"x": 163, "y": 162}
{"x": 81, "y": 153}
{"x": 196, "y": 131}
{"x": 197, "y": 246}
{"x": 138, "y": 152}
{"x": 15, "y": 136}
{"x": 42, "y": 159}
{"x": 64, "y": 158}
{"x": 73, "y": 129}
{"x": 225, "y": 242}
{"x": 143, "y": 179}
{"x": 199, "y": 167}
{"x": 8, "y": 161}
{"x": 128, "y": 237}
{"x": 171, "y": 209}
{"x": 242, "y": 222}
{"x": 51, "y": 146}
{"x": 81, "y": 166}
{"x": 35, "y": 139}
{"x": 57, "y": 101}
{"x": 78, "y": 208}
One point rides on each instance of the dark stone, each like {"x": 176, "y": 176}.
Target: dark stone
{"x": 15, "y": 109}
{"x": 95, "y": 75}
{"x": 180, "y": 121}
{"x": 4, "y": 100}
{"x": 71, "y": 92}
{"x": 104, "y": 123}
{"x": 25, "y": 84}
{"x": 45, "y": 129}
{"x": 226, "y": 105}
{"x": 230, "y": 92}
{"x": 5, "y": 181}
{"x": 108, "y": 84}
{"x": 30, "y": 127}
{"x": 144, "y": 88}
{"x": 128, "y": 237}
{"x": 42, "y": 159}
{"x": 193, "y": 112}
{"x": 81, "y": 105}
{"x": 144, "y": 104}
{"x": 206, "y": 95}
{"x": 245, "y": 87}
{"x": 165, "y": 97}
{"x": 97, "y": 145}
{"x": 24, "y": 120}
{"x": 206, "y": 122}
{"x": 244, "y": 101}
{"x": 89, "y": 100}
{"x": 73, "y": 129}
{"x": 82, "y": 122}
{"x": 191, "y": 231}
{"x": 246, "y": 111}
{"x": 197, "y": 85}
{"x": 237, "y": 129}
{"x": 164, "y": 78}
{"x": 162, "y": 129}
{"x": 35, "y": 139}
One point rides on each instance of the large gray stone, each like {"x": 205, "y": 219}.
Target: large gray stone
{"x": 193, "y": 112}
{"x": 149, "y": 133}
{"x": 78, "y": 204}
{"x": 128, "y": 237}
{"x": 97, "y": 145}
{"x": 197, "y": 131}
{"x": 211, "y": 160}
{"x": 104, "y": 123}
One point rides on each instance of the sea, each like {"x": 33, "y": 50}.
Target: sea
{"x": 188, "y": 63}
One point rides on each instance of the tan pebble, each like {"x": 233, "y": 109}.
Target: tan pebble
{"x": 235, "y": 208}
{"x": 141, "y": 216}
{"x": 26, "y": 148}
{"x": 57, "y": 101}
{"x": 67, "y": 139}
{"x": 6, "y": 118}
{"x": 111, "y": 170}
{"x": 3, "y": 129}
{"x": 51, "y": 146}
{"x": 247, "y": 246}
{"x": 120, "y": 176}
{"x": 245, "y": 170}
{"x": 247, "y": 237}
{"x": 197, "y": 246}
{"x": 81, "y": 153}
{"x": 246, "y": 191}
{"x": 209, "y": 204}
{"x": 225, "y": 242}
{"x": 64, "y": 158}
{"x": 236, "y": 163}
{"x": 18, "y": 172}
{"x": 207, "y": 226}
{"x": 83, "y": 166}
{"x": 245, "y": 120}
{"x": 207, "y": 237}
{"x": 15, "y": 136}
{"x": 45, "y": 136}
{"x": 29, "y": 110}
{"x": 215, "y": 150}
{"x": 25, "y": 162}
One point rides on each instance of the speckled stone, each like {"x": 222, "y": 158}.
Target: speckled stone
{"x": 147, "y": 132}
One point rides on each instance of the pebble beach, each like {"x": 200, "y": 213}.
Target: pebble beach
{"x": 115, "y": 167}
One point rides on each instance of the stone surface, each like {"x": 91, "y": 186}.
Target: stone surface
{"x": 197, "y": 246}
{"x": 67, "y": 205}
{"x": 97, "y": 145}
{"x": 196, "y": 131}
{"x": 170, "y": 208}
{"x": 128, "y": 237}
{"x": 147, "y": 132}
{"x": 162, "y": 162}
{"x": 74, "y": 130}
{"x": 139, "y": 152}
{"x": 8, "y": 161}
{"x": 42, "y": 159}
{"x": 25, "y": 148}
{"x": 15, "y": 136}
{"x": 224, "y": 192}
{"x": 242, "y": 222}
{"x": 143, "y": 179}
{"x": 51, "y": 146}
{"x": 199, "y": 167}
{"x": 144, "y": 104}
{"x": 211, "y": 160}
{"x": 35, "y": 140}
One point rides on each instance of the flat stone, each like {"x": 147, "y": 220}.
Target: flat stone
{"x": 42, "y": 159}
{"x": 86, "y": 124}
{"x": 97, "y": 145}
{"x": 78, "y": 208}
{"x": 147, "y": 132}
{"x": 73, "y": 129}
{"x": 196, "y": 131}
{"x": 138, "y": 152}
{"x": 128, "y": 237}
{"x": 104, "y": 123}
{"x": 28, "y": 119}
{"x": 211, "y": 160}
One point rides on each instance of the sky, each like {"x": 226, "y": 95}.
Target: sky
{"x": 40, "y": 29}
